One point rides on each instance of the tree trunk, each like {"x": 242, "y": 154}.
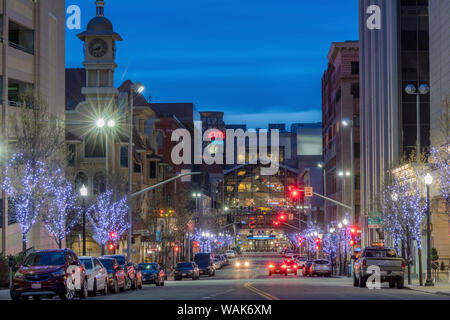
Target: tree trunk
{"x": 408, "y": 254}
{"x": 419, "y": 252}
{"x": 24, "y": 243}
{"x": 102, "y": 249}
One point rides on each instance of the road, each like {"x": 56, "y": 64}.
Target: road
{"x": 255, "y": 284}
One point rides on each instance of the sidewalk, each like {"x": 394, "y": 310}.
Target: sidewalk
{"x": 442, "y": 287}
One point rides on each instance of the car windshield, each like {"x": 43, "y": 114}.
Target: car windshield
{"x": 147, "y": 266}
{"x": 185, "y": 265}
{"x": 56, "y": 258}
{"x": 321, "y": 262}
{"x": 381, "y": 253}
{"x": 202, "y": 258}
{"x": 120, "y": 260}
{"x": 108, "y": 264}
{"x": 87, "y": 263}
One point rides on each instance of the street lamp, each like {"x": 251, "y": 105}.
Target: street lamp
{"x": 100, "y": 124}
{"x": 135, "y": 88}
{"x": 84, "y": 193}
{"x": 423, "y": 90}
{"x": 346, "y": 122}
{"x": 428, "y": 181}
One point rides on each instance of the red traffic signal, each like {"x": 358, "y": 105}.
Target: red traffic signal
{"x": 353, "y": 230}
{"x": 317, "y": 247}
{"x": 112, "y": 235}
{"x": 318, "y": 240}
{"x": 282, "y": 217}
{"x": 352, "y": 242}
{"x": 111, "y": 247}
{"x": 276, "y": 223}
{"x": 177, "y": 249}
{"x": 300, "y": 239}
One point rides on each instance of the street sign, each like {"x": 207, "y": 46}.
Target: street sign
{"x": 308, "y": 192}
{"x": 374, "y": 222}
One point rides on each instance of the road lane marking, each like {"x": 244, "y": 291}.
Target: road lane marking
{"x": 268, "y": 296}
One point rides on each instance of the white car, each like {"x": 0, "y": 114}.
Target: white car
{"x": 230, "y": 254}
{"x": 97, "y": 275}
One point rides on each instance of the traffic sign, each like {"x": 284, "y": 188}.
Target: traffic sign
{"x": 308, "y": 191}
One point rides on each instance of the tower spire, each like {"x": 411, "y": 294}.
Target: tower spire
{"x": 100, "y": 4}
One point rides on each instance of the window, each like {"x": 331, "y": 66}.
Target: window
{"x": 124, "y": 157}
{"x": 355, "y": 67}
{"x": 99, "y": 183}
{"x": 16, "y": 90}
{"x": 94, "y": 147}
{"x": 71, "y": 155}
{"x": 356, "y": 150}
{"x": 21, "y": 38}
{"x": 137, "y": 167}
{"x": 152, "y": 171}
{"x": 355, "y": 90}
{"x": 357, "y": 182}
{"x": 338, "y": 95}
{"x": 11, "y": 212}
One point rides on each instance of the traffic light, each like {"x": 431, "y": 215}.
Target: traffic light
{"x": 300, "y": 241}
{"x": 282, "y": 217}
{"x": 177, "y": 249}
{"x": 317, "y": 244}
{"x": 112, "y": 235}
{"x": 111, "y": 247}
{"x": 317, "y": 240}
{"x": 276, "y": 223}
{"x": 353, "y": 234}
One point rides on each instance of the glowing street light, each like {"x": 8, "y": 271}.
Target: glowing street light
{"x": 100, "y": 123}
{"x": 111, "y": 123}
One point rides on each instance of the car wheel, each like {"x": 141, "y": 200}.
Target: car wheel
{"x": 162, "y": 284}
{"x": 123, "y": 288}
{"x": 68, "y": 294}
{"x": 93, "y": 293}
{"x": 127, "y": 284}
{"x": 400, "y": 283}
{"x": 362, "y": 282}
{"x": 355, "y": 281}
{"x": 105, "y": 288}
{"x": 84, "y": 290}
{"x": 116, "y": 286}
{"x": 392, "y": 284}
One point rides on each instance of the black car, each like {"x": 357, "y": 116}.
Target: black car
{"x": 307, "y": 268}
{"x": 187, "y": 270}
{"x": 128, "y": 268}
{"x": 205, "y": 262}
{"x": 116, "y": 276}
{"x": 152, "y": 273}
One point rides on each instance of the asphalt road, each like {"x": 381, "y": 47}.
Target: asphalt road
{"x": 255, "y": 284}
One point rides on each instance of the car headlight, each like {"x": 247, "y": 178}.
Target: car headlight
{"x": 237, "y": 264}
{"x": 59, "y": 273}
{"x": 247, "y": 263}
{"x": 18, "y": 276}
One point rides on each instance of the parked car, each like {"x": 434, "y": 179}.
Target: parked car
{"x": 320, "y": 267}
{"x": 230, "y": 254}
{"x": 205, "y": 262}
{"x": 116, "y": 276}
{"x": 187, "y": 270}
{"x": 224, "y": 259}
{"x": 50, "y": 273}
{"x": 128, "y": 268}
{"x": 301, "y": 261}
{"x": 392, "y": 267}
{"x": 97, "y": 275}
{"x": 307, "y": 267}
{"x": 152, "y": 273}
{"x": 218, "y": 263}
{"x": 138, "y": 276}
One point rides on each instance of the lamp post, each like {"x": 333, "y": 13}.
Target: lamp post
{"x": 428, "y": 181}
{"x": 423, "y": 90}
{"x": 84, "y": 193}
{"x": 135, "y": 88}
{"x": 346, "y": 122}
{"x": 100, "y": 124}
{"x": 321, "y": 165}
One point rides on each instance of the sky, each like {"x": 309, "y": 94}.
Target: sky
{"x": 259, "y": 61}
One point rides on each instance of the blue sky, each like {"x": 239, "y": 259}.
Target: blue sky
{"x": 259, "y": 61}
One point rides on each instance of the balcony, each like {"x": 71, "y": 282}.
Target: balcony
{"x": 21, "y": 38}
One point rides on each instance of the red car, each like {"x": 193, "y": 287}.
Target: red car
{"x": 50, "y": 273}
{"x": 291, "y": 266}
{"x": 116, "y": 276}
{"x": 277, "y": 268}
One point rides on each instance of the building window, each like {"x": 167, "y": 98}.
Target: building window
{"x": 11, "y": 213}
{"x": 357, "y": 150}
{"x": 355, "y": 67}
{"x": 94, "y": 147}
{"x": 71, "y": 155}
{"x": 338, "y": 95}
{"x": 137, "y": 167}
{"x": 152, "y": 171}
{"x": 124, "y": 157}
{"x": 17, "y": 90}
{"x": 99, "y": 183}
{"x": 21, "y": 38}
{"x": 357, "y": 182}
{"x": 355, "y": 90}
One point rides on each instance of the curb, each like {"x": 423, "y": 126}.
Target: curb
{"x": 445, "y": 293}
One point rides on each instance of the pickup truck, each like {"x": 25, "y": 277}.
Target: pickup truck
{"x": 392, "y": 267}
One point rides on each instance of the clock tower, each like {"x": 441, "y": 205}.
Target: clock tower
{"x": 99, "y": 52}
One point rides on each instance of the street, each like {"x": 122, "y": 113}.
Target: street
{"x": 255, "y": 284}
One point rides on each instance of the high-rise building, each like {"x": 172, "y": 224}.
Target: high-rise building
{"x": 340, "y": 101}
{"x": 32, "y": 55}
{"x": 391, "y": 58}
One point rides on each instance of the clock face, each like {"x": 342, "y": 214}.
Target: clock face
{"x": 98, "y": 48}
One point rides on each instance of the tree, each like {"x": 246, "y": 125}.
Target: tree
{"x": 27, "y": 185}
{"x": 108, "y": 216}
{"x": 62, "y": 211}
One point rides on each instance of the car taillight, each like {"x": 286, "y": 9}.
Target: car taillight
{"x": 295, "y": 266}
{"x": 364, "y": 263}
{"x": 403, "y": 264}
{"x": 271, "y": 266}
{"x": 284, "y": 266}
